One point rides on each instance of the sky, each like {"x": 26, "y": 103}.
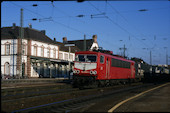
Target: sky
{"x": 116, "y": 23}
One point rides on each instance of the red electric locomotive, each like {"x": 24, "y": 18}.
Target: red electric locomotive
{"x": 101, "y": 68}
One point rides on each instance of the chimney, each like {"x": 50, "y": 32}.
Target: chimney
{"x": 95, "y": 38}
{"x": 13, "y": 25}
{"x": 30, "y": 26}
{"x": 43, "y": 31}
{"x": 54, "y": 39}
{"x": 64, "y": 40}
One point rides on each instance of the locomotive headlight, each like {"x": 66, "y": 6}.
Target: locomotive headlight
{"x": 94, "y": 72}
{"x": 78, "y": 71}
{"x": 91, "y": 72}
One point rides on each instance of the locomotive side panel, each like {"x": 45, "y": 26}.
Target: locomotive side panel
{"x": 121, "y": 69}
{"x": 110, "y": 67}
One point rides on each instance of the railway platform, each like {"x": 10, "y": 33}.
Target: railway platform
{"x": 156, "y": 100}
{"x": 31, "y": 82}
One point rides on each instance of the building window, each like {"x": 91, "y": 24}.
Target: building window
{"x": 54, "y": 53}
{"x": 35, "y": 50}
{"x": 24, "y": 49}
{"x": 7, "y": 48}
{"x": 71, "y": 57}
{"x": 7, "y": 68}
{"x": 48, "y": 52}
{"x": 66, "y": 56}
{"x": 60, "y": 55}
{"x": 42, "y": 51}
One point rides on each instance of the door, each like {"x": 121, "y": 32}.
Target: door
{"x": 107, "y": 68}
{"x": 132, "y": 70}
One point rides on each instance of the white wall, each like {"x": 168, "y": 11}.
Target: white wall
{"x": 11, "y": 46}
{"x": 9, "y": 58}
{"x": 39, "y": 45}
{"x": 68, "y": 55}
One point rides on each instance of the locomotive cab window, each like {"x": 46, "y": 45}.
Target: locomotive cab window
{"x": 102, "y": 59}
{"x": 86, "y": 58}
{"x": 91, "y": 58}
{"x": 80, "y": 58}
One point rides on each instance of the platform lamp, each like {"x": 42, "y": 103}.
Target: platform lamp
{"x": 69, "y": 45}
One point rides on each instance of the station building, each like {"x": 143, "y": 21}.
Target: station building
{"x": 41, "y": 56}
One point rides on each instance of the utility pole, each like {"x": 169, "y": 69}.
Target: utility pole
{"x": 21, "y": 36}
{"x": 150, "y": 57}
{"x": 166, "y": 55}
{"x": 124, "y": 49}
{"x": 150, "y": 54}
{"x": 84, "y": 42}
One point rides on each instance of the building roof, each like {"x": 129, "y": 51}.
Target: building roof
{"x": 80, "y": 43}
{"x": 33, "y": 34}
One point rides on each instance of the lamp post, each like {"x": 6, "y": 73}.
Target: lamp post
{"x": 166, "y": 55}
{"x": 69, "y": 45}
{"x": 150, "y": 55}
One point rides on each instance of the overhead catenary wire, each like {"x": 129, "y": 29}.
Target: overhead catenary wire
{"x": 117, "y": 25}
{"x": 126, "y": 20}
{"x": 66, "y": 14}
{"x": 64, "y": 24}
{"x": 67, "y": 26}
{"x": 74, "y": 29}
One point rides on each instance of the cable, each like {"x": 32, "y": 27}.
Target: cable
{"x": 113, "y": 22}
{"x": 66, "y": 13}
{"x": 117, "y": 24}
{"x": 53, "y": 20}
{"x": 126, "y": 19}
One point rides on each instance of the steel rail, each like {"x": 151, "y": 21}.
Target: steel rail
{"x": 74, "y": 101}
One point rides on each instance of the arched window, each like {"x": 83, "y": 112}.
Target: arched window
{"x": 7, "y": 68}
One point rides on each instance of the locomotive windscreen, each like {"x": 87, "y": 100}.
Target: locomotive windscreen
{"x": 86, "y": 58}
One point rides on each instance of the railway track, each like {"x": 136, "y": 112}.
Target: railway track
{"x": 33, "y": 90}
{"x": 82, "y": 99}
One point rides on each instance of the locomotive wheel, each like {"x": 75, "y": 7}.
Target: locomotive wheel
{"x": 107, "y": 83}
